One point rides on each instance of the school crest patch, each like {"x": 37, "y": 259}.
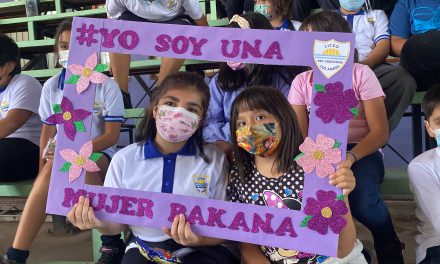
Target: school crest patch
{"x": 201, "y": 183}
{"x": 330, "y": 56}
{"x": 4, "y": 106}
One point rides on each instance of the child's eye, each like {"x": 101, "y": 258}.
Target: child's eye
{"x": 169, "y": 103}
{"x": 260, "y": 117}
{"x": 192, "y": 110}
{"x": 241, "y": 124}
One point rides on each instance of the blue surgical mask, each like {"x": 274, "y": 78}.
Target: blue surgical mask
{"x": 437, "y": 134}
{"x": 63, "y": 56}
{"x": 352, "y": 5}
{"x": 262, "y": 9}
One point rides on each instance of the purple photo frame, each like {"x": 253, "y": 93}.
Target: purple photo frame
{"x": 329, "y": 54}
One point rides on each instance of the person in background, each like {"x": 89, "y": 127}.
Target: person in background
{"x": 278, "y": 13}
{"x": 373, "y": 46}
{"x": 424, "y": 180}
{"x": 20, "y": 124}
{"x": 415, "y": 37}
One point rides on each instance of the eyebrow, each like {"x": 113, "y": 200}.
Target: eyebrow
{"x": 172, "y": 98}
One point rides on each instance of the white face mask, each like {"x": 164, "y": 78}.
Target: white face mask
{"x": 437, "y": 134}
{"x": 63, "y": 56}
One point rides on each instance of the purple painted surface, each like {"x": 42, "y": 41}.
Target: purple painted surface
{"x": 275, "y": 47}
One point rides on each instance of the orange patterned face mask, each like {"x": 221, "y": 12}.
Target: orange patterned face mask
{"x": 258, "y": 139}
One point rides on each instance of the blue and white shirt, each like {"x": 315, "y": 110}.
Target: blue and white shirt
{"x": 108, "y": 106}
{"x": 370, "y": 28}
{"x": 413, "y": 17}
{"x": 143, "y": 167}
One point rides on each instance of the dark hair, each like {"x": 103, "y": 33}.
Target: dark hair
{"x": 179, "y": 80}
{"x": 9, "y": 52}
{"x": 274, "y": 102}
{"x": 65, "y": 25}
{"x": 253, "y": 74}
{"x": 282, "y": 8}
{"x": 431, "y": 100}
{"x": 327, "y": 21}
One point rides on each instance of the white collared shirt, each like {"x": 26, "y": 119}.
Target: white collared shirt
{"x": 370, "y": 27}
{"x": 22, "y": 93}
{"x": 424, "y": 179}
{"x": 143, "y": 167}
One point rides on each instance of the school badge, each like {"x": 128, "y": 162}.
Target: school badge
{"x": 330, "y": 56}
{"x": 201, "y": 183}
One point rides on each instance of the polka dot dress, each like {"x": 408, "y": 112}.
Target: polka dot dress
{"x": 283, "y": 192}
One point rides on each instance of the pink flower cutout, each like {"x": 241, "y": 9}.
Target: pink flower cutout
{"x": 77, "y": 162}
{"x": 90, "y": 72}
{"x": 320, "y": 155}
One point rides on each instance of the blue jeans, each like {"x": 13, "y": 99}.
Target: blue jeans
{"x": 432, "y": 256}
{"x": 368, "y": 207}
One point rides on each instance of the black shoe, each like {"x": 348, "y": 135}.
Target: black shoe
{"x": 127, "y": 100}
{"x": 110, "y": 255}
{"x": 6, "y": 260}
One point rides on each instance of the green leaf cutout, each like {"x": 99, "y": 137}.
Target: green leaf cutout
{"x": 73, "y": 79}
{"x": 79, "y": 126}
{"x": 95, "y": 156}
{"x": 57, "y": 108}
{"x": 299, "y": 156}
{"x": 306, "y": 220}
{"x": 100, "y": 67}
{"x": 66, "y": 167}
{"x": 319, "y": 88}
{"x": 340, "y": 197}
{"x": 354, "y": 111}
{"x": 337, "y": 144}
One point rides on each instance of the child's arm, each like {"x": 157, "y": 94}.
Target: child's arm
{"x": 83, "y": 217}
{"x": 15, "y": 119}
{"x": 109, "y": 138}
{"x": 379, "y": 54}
{"x": 252, "y": 254}
{"x": 376, "y": 116}
{"x": 381, "y": 39}
{"x": 344, "y": 179}
{"x": 303, "y": 118}
{"x": 181, "y": 233}
{"x": 47, "y": 132}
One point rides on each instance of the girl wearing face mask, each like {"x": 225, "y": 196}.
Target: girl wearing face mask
{"x": 106, "y": 123}
{"x": 169, "y": 157}
{"x": 266, "y": 138}
{"x": 278, "y": 13}
{"x": 234, "y": 77}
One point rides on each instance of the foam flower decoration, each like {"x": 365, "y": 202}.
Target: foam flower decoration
{"x": 75, "y": 163}
{"x": 335, "y": 103}
{"x": 324, "y": 212}
{"x": 319, "y": 155}
{"x": 72, "y": 119}
{"x": 84, "y": 75}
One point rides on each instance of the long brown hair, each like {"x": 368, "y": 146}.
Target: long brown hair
{"x": 181, "y": 80}
{"x": 274, "y": 102}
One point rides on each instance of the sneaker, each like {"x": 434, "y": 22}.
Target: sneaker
{"x": 6, "y": 260}
{"x": 110, "y": 255}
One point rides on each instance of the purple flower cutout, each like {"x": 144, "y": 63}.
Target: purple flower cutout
{"x": 335, "y": 103}
{"x": 327, "y": 211}
{"x": 72, "y": 119}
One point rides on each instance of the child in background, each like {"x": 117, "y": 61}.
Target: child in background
{"x": 266, "y": 138}
{"x": 373, "y": 45}
{"x": 424, "y": 179}
{"x": 234, "y": 77}
{"x": 278, "y": 13}
{"x": 168, "y": 157}
{"x": 367, "y": 133}
{"x": 19, "y": 122}
{"x": 177, "y": 12}
{"x": 106, "y": 122}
